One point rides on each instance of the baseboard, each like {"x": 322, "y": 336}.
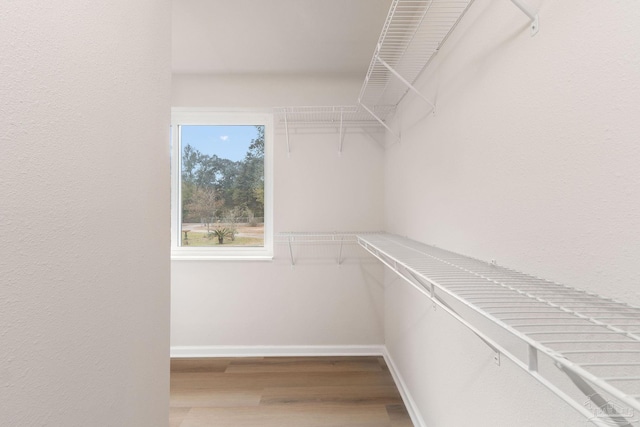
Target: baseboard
{"x": 409, "y": 403}
{"x": 277, "y": 350}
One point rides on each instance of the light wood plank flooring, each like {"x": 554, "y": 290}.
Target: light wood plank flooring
{"x": 285, "y": 392}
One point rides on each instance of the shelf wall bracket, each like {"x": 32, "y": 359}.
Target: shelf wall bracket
{"x": 286, "y": 130}
{"x": 291, "y": 252}
{"x": 380, "y": 121}
{"x": 406, "y": 82}
{"x": 341, "y": 134}
{"x": 437, "y": 301}
{"x": 533, "y": 359}
{"x": 605, "y": 407}
{"x": 535, "y": 26}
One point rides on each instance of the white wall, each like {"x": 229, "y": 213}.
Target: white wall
{"x": 84, "y": 259}
{"x": 269, "y": 90}
{"x": 531, "y": 160}
{"x": 317, "y": 303}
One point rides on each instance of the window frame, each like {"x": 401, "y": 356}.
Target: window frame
{"x": 227, "y": 117}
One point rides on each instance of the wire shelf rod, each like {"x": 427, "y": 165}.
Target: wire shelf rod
{"x": 508, "y": 298}
{"x": 568, "y": 316}
{"x": 553, "y": 310}
{"x": 545, "y": 342}
{"x": 567, "y": 304}
{"x": 606, "y": 364}
{"x": 565, "y": 297}
{"x": 617, "y": 318}
{"x": 519, "y": 305}
{"x": 599, "y": 351}
{"x": 584, "y": 323}
{"x": 497, "y": 293}
{"x": 610, "y": 311}
{"x": 535, "y": 289}
{"x": 610, "y": 379}
{"x": 595, "y": 304}
{"x": 570, "y": 332}
{"x": 519, "y": 284}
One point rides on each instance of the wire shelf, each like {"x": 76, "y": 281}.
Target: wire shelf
{"x": 594, "y": 340}
{"x": 333, "y": 116}
{"x": 339, "y": 239}
{"x": 316, "y": 237}
{"x": 338, "y": 117}
{"x": 412, "y": 33}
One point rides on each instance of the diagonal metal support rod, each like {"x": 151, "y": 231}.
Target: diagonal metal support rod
{"x": 380, "y": 121}
{"x": 341, "y": 136}
{"x": 437, "y": 300}
{"x": 286, "y": 130}
{"x": 605, "y": 407}
{"x": 406, "y": 82}
{"x": 291, "y": 252}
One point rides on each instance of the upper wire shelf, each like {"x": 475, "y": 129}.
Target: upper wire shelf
{"x": 594, "y": 340}
{"x": 412, "y": 33}
{"x": 334, "y": 116}
{"x": 339, "y": 117}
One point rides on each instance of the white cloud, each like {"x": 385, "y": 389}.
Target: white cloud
{"x": 224, "y": 137}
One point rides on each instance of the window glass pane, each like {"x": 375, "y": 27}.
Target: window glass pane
{"x": 222, "y": 185}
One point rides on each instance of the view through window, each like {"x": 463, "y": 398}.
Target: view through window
{"x": 222, "y": 185}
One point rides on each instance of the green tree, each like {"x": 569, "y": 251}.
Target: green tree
{"x": 249, "y": 185}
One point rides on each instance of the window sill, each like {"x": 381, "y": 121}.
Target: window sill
{"x": 208, "y": 255}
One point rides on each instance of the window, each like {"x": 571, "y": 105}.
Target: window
{"x": 221, "y": 179}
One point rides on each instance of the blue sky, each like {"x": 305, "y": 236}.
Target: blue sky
{"x": 228, "y": 142}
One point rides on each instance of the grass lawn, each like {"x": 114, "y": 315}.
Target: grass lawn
{"x": 200, "y": 239}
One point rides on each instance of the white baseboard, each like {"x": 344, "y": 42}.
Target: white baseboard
{"x": 409, "y": 403}
{"x": 277, "y": 350}
{"x": 311, "y": 350}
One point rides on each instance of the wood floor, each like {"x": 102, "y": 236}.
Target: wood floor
{"x": 285, "y": 392}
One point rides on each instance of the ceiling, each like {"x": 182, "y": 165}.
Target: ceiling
{"x": 290, "y": 37}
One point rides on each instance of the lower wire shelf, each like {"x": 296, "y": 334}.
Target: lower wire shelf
{"x": 339, "y": 239}
{"x": 594, "y": 340}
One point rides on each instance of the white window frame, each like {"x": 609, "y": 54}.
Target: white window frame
{"x": 192, "y": 116}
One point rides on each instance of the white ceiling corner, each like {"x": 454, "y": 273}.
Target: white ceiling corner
{"x": 287, "y": 37}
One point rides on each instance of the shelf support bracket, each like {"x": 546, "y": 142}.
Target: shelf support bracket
{"x": 380, "y": 121}
{"x": 604, "y": 406}
{"x": 406, "y": 82}
{"x": 535, "y": 26}
{"x": 341, "y": 135}
{"x": 286, "y": 130}
{"x": 291, "y": 252}
{"x": 533, "y": 359}
{"x": 431, "y": 293}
